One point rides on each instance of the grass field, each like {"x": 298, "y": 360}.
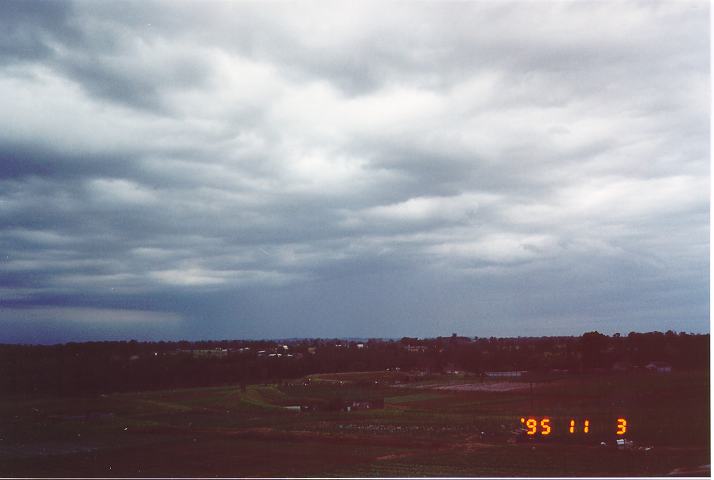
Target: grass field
{"x": 423, "y": 429}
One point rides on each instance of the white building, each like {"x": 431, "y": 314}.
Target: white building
{"x": 516, "y": 373}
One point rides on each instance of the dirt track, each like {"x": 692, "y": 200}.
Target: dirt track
{"x": 473, "y": 387}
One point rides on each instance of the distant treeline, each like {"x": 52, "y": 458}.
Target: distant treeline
{"x": 104, "y": 367}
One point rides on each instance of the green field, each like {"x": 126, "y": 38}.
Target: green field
{"x": 423, "y": 429}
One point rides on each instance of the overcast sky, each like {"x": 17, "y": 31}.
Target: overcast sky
{"x": 271, "y": 170}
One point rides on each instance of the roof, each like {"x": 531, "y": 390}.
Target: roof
{"x": 659, "y": 363}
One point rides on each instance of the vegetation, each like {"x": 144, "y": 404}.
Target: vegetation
{"x": 423, "y": 429}
{"x": 417, "y": 407}
{"x": 106, "y": 367}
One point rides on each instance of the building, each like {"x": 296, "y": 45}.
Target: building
{"x": 622, "y": 366}
{"x": 516, "y": 373}
{"x": 339, "y": 405}
{"x": 207, "y": 353}
{"x": 416, "y": 348}
{"x": 659, "y": 367}
{"x": 364, "y": 405}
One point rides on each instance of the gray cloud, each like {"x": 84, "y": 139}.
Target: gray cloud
{"x": 326, "y": 169}
{"x": 30, "y": 28}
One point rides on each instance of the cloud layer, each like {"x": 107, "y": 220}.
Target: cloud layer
{"x": 324, "y": 169}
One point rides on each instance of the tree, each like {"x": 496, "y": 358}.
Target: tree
{"x": 592, "y": 345}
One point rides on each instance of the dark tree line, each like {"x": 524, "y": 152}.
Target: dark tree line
{"x": 103, "y": 367}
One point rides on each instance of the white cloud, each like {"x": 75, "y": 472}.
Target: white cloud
{"x": 499, "y": 248}
{"x": 201, "y": 277}
{"x": 121, "y": 192}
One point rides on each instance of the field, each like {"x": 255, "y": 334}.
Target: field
{"x": 445, "y": 425}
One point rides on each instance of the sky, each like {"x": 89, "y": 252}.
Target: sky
{"x": 233, "y": 170}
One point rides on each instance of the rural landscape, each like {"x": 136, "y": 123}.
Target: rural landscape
{"x": 309, "y": 238}
{"x": 438, "y": 409}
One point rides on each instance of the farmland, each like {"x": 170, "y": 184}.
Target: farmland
{"x": 440, "y": 425}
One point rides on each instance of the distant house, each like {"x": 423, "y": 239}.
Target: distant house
{"x": 339, "y": 405}
{"x": 416, "y": 348}
{"x": 659, "y": 367}
{"x": 450, "y": 369}
{"x": 364, "y": 404}
{"x": 622, "y": 366}
{"x": 516, "y": 373}
{"x": 208, "y": 352}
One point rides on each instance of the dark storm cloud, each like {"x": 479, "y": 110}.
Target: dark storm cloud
{"x": 37, "y": 160}
{"x": 313, "y": 169}
{"x": 30, "y": 28}
{"x": 103, "y": 57}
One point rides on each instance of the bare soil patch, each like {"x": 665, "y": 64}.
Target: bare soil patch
{"x": 474, "y": 387}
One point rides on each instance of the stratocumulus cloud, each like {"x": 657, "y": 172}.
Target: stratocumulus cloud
{"x": 325, "y": 169}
